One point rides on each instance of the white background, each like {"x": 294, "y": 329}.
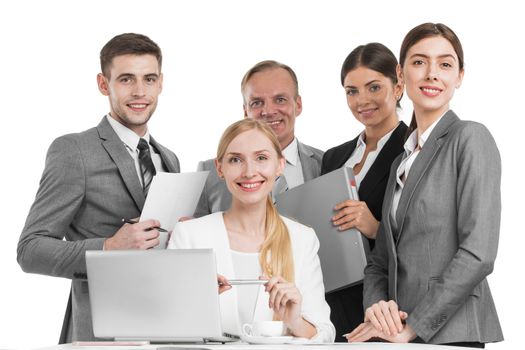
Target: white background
{"x": 49, "y": 61}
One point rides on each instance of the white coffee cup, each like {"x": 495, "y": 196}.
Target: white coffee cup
{"x": 263, "y": 328}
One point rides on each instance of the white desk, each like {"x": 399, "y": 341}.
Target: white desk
{"x": 244, "y": 346}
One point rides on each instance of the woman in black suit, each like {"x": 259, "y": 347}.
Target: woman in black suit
{"x": 373, "y": 92}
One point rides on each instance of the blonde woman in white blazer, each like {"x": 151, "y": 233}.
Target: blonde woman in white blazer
{"x": 251, "y": 240}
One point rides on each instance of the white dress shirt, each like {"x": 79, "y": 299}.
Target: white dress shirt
{"x": 131, "y": 141}
{"x": 359, "y": 152}
{"x": 293, "y": 171}
{"x": 246, "y": 266}
{"x": 411, "y": 153}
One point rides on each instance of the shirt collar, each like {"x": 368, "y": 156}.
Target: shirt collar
{"x": 130, "y": 139}
{"x": 385, "y": 138}
{"x": 361, "y": 140}
{"x": 291, "y": 152}
{"x": 380, "y": 143}
{"x": 411, "y": 143}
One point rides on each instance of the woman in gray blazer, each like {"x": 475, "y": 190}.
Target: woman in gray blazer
{"x": 437, "y": 242}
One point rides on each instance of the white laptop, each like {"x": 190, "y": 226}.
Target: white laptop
{"x": 155, "y": 295}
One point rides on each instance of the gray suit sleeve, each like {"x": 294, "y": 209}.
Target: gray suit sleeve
{"x": 42, "y": 248}
{"x": 478, "y": 220}
{"x": 375, "y": 284}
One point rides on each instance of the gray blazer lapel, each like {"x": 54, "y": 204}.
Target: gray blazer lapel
{"x": 421, "y": 164}
{"x": 311, "y": 167}
{"x": 118, "y": 153}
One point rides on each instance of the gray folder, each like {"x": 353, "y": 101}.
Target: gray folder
{"x": 343, "y": 254}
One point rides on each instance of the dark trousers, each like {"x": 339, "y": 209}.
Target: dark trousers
{"x": 346, "y": 310}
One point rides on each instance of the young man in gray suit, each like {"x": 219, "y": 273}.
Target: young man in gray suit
{"x": 94, "y": 179}
{"x": 270, "y": 93}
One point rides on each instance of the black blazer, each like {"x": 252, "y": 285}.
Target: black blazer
{"x": 346, "y": 305}
{"x": 372, "y": 188}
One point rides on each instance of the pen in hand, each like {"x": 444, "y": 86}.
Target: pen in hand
{"x": 130, "y": 221}
{"x": 244, "y": 282}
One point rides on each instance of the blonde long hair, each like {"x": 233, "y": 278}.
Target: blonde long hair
{"x": 276, "y": 251}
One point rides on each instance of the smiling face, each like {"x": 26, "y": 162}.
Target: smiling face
{"x": 431, "y": 73}
{"x": 133, "y": 87}
{"x": 270, "y": 96}
{"x": 249, "y": 167}
{"x": 372, "y": 98}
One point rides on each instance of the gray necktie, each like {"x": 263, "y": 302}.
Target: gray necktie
{"x": 279, "y": 186}
{"x": 147, "y": 168}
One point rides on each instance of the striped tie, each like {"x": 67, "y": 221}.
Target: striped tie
{"x": 147, "y": 168}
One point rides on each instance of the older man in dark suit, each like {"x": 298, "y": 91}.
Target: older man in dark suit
{"x": 94, "y": 179}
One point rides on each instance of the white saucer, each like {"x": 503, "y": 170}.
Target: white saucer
{"x": 266, "y": 340}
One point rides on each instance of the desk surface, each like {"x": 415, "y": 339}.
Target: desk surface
{"x": 243, "y": 346}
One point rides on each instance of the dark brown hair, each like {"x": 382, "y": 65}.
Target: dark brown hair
{"x": 267, "y": 65}
{"x": 125, "y": 44}
{"x": 423, "y": 31}
{"x": 374, "y": 56}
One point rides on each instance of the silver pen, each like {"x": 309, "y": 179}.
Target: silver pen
{"x": 246, "y": 282}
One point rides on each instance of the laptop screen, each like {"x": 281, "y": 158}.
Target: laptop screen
{"x": 155, "y": 295}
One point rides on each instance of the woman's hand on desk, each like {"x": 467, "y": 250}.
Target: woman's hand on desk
{"x": 355, "y": 214}
{"x": 366, "y": 331}
{"x": 386, "y": 317}
{"x": 286, "y": 301}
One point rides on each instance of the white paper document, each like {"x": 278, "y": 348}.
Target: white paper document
{"x": 172, "y": 196}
